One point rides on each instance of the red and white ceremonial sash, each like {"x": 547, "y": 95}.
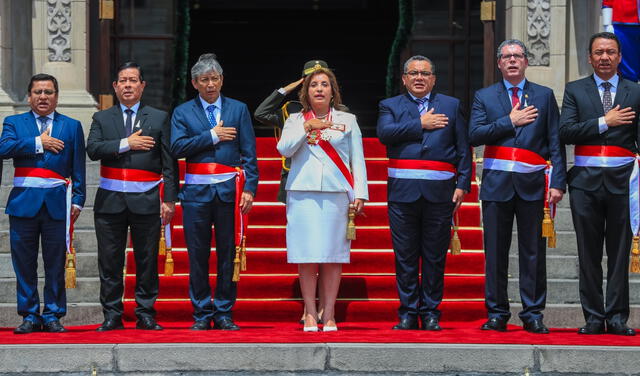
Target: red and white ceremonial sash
{"x": 503, "y": 158}
{"x": 128, "y": 180}
{"x": 34, "y": 177}
{"x": 213, "y": 173}
{"x": 420, "y": 169}
{"x": 602, "y": 156}
{"x": 634, "y": 198}
{"x": 328, "y": 155}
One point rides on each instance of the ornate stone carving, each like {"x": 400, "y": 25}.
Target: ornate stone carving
{"x": 538, "y": 30}
{"x": 59, "y": 30}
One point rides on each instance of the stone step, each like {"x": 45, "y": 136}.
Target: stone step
{"x": 565, "y": 291}
{"x": 87, "y": 265}
{"x": 566, "y": 244}
{"x": 87, "y": 290}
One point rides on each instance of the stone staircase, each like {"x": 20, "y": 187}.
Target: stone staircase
{"x": 563, "y": 304}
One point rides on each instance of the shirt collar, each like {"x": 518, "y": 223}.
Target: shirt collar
{"x": 520, "y": 85}
{"x": 133, "y": 108}
{"x": 613, "y": 81}
{"x": 217, "y": 103}
{"x": 416, "y": 98}
{"x": 50, "y": 116}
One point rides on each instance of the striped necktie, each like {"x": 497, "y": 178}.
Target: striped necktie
{"x": 422, "y": 105}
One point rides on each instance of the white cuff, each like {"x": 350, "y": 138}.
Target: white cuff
{"x": 124, "y": 146}
{"x": 602, "y": 125}
{"x": 39, "y": 148}
{"x": 77, "y": 206}
{"x": 214, "y": 137}
{"x": 282, "y": 91}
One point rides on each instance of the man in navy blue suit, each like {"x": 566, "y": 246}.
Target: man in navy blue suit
{"x": 215, "y": 135}
{"x": 517, "y": 121}
{"x": 47, "y": 149}
{"x": 429, "y": 174}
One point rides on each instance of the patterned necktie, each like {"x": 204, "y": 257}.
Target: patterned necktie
{"x": 515, "y": 100}
{"x": 422, "y": 105}
{"x": 211, "y": 115}
{"x": 43, "y": 123}
{"x": 607, "y": 103}
{"x": 128, "y": 125}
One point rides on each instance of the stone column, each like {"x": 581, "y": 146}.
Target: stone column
{"x": 60, "y": 49}
{"x": 15, "y": 54}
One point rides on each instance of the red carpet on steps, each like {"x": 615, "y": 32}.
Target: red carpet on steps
{"x": 269, "y": 289}
{"x": 289, "y": 332}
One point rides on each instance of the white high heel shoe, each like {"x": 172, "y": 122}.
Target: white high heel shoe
{"x": 313, "y": 328}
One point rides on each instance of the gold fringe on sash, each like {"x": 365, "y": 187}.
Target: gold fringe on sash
{"x": 635, "y": 256}
{"x": 547, "y": 224}
{"x": 243, "y": 254}
{"x": 351, "y": 225}
{"x": 551, "y": 240}
{"x": 455, "y": 246}
{"x": 162, "y": 245}
{"x": 236, "y": 265}
{"x": 70, "y": 269}
{"x": 168, "y": 263}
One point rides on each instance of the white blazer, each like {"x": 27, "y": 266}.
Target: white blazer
{"x": 308, "y": 172}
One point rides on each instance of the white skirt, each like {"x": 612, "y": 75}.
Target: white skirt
{"x": 317, "y": 227}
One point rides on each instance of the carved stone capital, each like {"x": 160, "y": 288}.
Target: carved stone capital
{"x": 59, "y": 30}
{"x": 538, "y": 30}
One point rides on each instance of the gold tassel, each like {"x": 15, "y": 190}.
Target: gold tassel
{"x": 168, "y": 264}
{"x": 162, "y": 246}
{"x": 635, "y": 256}
{"x": 236, "y": 265}
{"x": 551, "y": 240}
{"x": 70, "y": 276}
{"x": 547, "y": 224}
{"x": 243, "y": 255}
{"x": 351, "y": 225}
{"x": 456, "y": 247}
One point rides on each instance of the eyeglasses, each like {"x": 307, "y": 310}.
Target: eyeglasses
{"x": 45, "y": 92}
{"x": 515, "y": 56}
{"x": 416, "y": 73}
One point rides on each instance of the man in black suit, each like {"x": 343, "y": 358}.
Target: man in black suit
{"x": 132, "y": 143}
{"x": 599, "y": 116}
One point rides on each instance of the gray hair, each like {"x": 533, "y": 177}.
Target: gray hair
{"x": 206, "y": 63}
{"x": 510, "y": 42}
{"x": 419, "y": 58}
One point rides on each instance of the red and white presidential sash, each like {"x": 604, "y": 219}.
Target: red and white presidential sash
{"x": 329, "y": 157}
{"x": 213, "y": 173}
{"x": 128, "y": 180}
{"x": 34, "y": 177}
{"x": 420, "y": 169}
{"x": 503, "y": 158}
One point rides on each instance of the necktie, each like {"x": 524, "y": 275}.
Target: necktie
{"x": 515, "y": 100}
{"x": 210, "y": 114}
{"x": 422, "y": 105}
{"x": 43, "y": 123}
{"x": 607, "y": 103}
{"x": 128, "y": 125}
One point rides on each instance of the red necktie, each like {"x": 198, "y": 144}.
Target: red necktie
{"x": 515, "y": 101}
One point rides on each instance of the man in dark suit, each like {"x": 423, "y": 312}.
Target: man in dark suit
{"x": 47, "y": 149}
{"x": 517, "y": 121}
{"x": 599, "y": 116}
{"x": 429, "y": 174}
{"x": 131, "y": 141}
{"x": 215, "y": 135}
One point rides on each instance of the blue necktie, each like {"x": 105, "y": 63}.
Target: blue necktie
{"x": 43, "y": 123}
{"x": 422, "y": 105}
{"x": 128, "y": 125}
{"x": 211, "y": 115}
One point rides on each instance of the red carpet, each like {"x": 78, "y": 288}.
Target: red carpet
{"x": 269, "y": 288}
{"x": 349, "y": 332}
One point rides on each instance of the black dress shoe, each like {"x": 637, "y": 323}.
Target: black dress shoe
{"x": 226, "y": 323}
{"x": 110, "y": 324}
{"x": 620, "y": 329}
{"x": 592, "y": 328}
{"x": 495, "y": 323}
{"x": 536, "y": 326}
{"x": 27, "y": 327}
{"x": 201, "y": 325}
{"x": 54, "y": 327}
{"x": 148, "y": 323}
{"x": 409, "y": 323}
{"x": 431, "y": 323}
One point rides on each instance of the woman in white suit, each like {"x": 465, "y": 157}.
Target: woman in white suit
{"x": 327, "y": 179}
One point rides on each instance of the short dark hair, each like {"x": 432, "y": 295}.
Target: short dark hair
{"x": 42, "y": 77}
{"x": 127, "y": 65}
{"x": 605, "y": 35}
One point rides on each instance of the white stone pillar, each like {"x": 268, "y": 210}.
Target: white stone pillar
{"x": 60, "y": 49}
{"x": 6, "y": 102}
